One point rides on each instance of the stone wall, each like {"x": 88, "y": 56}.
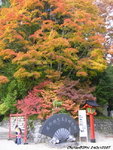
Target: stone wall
{"x": 104, "y": 126}
{"x": 34, "y": 134}
{"x": 5, "y": 124}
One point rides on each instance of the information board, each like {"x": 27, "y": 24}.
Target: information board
{"x": 21, "y": 121}
{"x": 82, "y": 123}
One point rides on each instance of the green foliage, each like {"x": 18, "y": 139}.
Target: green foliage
{"x": 23, "y": 86}
{"x": 57, "y": 103}
{"x": 104, "y": 89}
{"x": 10, "y": 100}
{"x": 10, "y": 92}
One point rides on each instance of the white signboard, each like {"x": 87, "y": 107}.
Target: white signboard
{"x": 20, "y": 121}
{"x": 82, "y": 123}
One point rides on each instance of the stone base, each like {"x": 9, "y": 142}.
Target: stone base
{"x": 93, "y": 141}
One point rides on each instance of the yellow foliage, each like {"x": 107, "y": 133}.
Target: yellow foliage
{"x": 97, "y": 60}
{"x": 95, "y": 53}
{"x": 28, "y": 62}
{"x": 70, "y": 50}
{"x": 52, "y": 74}
{"x": 52, "y": 44}
{"x": 97, "y": 65}
{"x": 18, "y": 57}
{"x": 22, "y": 73}
{"x": 53, "y": 34}
{"x": 35, "y": 54}
{"x": 29, "y": 58}
{"x": 35, "y": 74}
{"x": 82, "y": 63}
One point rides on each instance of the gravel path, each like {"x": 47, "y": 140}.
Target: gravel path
{"x": 102, "y": 142}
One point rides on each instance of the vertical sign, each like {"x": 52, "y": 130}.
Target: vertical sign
{"x": 82, "y": 123}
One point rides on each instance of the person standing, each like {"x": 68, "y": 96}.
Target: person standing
{"x": 18, "y": 133}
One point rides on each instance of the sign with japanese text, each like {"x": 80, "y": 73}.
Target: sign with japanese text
{"x": 82, "y": 123}
{"x": 20, "y": 121}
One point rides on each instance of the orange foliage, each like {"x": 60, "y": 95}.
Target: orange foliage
{"x": 7, "y": 54}
{"x": 3, "y": 79}
{"x": 82, "y": 73}
{"x": 55, "y": 35}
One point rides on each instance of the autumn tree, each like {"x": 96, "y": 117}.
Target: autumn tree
{"x": 49, "y": 39}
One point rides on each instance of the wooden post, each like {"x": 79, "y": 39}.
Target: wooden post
{"x": 92, "y": 128}
{"x": 9, "y": 136}
{"x": 25, "y": 132}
